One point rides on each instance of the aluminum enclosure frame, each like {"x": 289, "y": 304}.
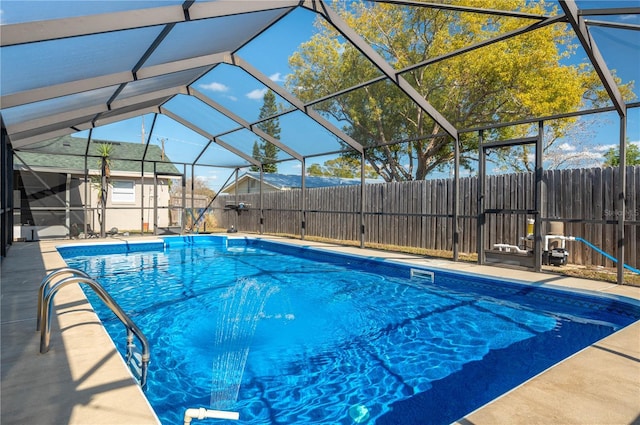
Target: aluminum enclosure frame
{"x": 114, "y": 109}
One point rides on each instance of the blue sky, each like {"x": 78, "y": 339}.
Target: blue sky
{"x": 270, "y": 52}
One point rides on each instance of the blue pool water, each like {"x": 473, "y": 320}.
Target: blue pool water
{"x": 290, "y": 335}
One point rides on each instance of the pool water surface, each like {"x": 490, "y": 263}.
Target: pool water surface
{"x": 290, "y": 335}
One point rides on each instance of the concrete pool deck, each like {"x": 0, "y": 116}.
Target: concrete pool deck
{"x": 83, "y": 380}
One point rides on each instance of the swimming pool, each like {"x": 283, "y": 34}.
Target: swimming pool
{"x": 329, "y": 338}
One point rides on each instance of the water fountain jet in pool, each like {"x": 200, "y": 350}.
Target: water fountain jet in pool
{"x": 242, "y": 307}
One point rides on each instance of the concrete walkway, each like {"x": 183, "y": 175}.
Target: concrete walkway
{"x": 83, "y": 380}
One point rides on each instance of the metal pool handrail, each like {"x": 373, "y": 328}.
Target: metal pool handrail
{"x": 44, "y": 285}
{"x": 139, "y": 364}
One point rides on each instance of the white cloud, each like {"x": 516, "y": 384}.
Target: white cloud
{"x": 604, "y": 148}
{"x": 277, "y": 77}
{"x": 257, "y": 94}
{"x": 217, "y": 87}
{"x": 232, "y": 98}
{"x": 567, "y": 147}
{"x": 590, "y": 155}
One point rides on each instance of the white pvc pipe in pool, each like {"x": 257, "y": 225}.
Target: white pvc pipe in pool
{"x": 203, "y": 413}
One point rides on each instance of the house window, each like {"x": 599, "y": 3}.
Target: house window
{"x": 123, "y": 191}
{"x": 253, "y": 184}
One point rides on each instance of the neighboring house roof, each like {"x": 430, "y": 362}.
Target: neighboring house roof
{"x": 287, "y": 181}
{"x": 68, "y": 152}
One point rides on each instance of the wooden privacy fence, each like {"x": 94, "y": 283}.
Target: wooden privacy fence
{"x": 420, "y": 213}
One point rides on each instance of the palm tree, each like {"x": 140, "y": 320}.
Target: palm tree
{"x": 105, "y": 150}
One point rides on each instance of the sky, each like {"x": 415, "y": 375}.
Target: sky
{"x": 269, "y": 53}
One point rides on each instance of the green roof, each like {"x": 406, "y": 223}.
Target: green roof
{"x": 68, "y": 152}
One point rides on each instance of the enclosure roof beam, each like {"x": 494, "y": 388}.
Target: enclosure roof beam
{"x": 615, "y": 25}
{"x": 90, "y": 116}
{"x": 610, "y": 11}
{"x": 468, "y": 9}
{"x": 80, "y": 86}
{"x": 181, "y": 65}
{"x": 149, "y": 135}
{"x": 484, "y": 43}
{"x": 64, "y": 89}
{"x": 100, "y": 121}
{"x": 59, "y": 119}
{"x": 511, "y": 142}
{"x": 369, "y": 52}
{"x": 314, "y": 115}
{"x": 53, "y": 29}
{"x": 445, "y": 56}
{"x": 209, "y": 136}
{"x": 148, "y": 97}
{"x": 580, "y": 28}
{"x": 26, "y": 138}
{"x": 254, "y": 129}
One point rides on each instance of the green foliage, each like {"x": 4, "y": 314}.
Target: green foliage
{"x": 612, "y": 156}
{"x": 340, "y": 167}
{"x": 315, "y": 170}
{"x": 518, "y": 78}
{"x": 105, "y": 151}
{"x": 257, "y": 154}
{"x": 266, "y": 152}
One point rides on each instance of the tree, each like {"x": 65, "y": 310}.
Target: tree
{"x": 612, "y": 156}
{"x": 266, "y": 152}
{"x": 315, "y": 170}
{"x": 257, "y": 154}
{"x": 344, "y": 167}
{"x": 105, "y": 151}
{"x": 521, "y": 77}
{"x": 200, "y": 187}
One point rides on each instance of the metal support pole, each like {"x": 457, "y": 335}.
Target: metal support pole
{"x": 303, "y": 203}
{"x": 621, "y": 204}
{"x": 480, "y": 221}
{"x": 193, "y": 206}
{"x": 103, "y": 197}
{"x": 87, "y": 187}
{"x": 67, "y": 204}
{"x": 142, "y": 197}
{"x": 235, "y": 197}
{"x": 6, "y": 194}
{"x": 262, "y": 200}
{"x": 183, "y": 201}
{"x": 362, "y": 198}
{"x": 537, "y": 228}
{"x": 456, "y": 197}
{"x": 155, "y": 198}
{"x": 87, "y": 197}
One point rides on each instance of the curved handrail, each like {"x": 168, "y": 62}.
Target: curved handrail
{"x": 132, "y": 329}
{"x": 44, "y": 285}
